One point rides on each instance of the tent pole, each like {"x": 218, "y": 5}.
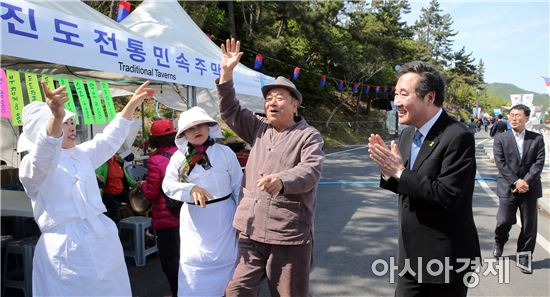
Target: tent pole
{"x": 191, "y": 96}
{"x": 143, "y": 128}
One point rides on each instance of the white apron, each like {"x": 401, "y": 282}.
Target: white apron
{"x": 79, "y": 252}
{"x": 72, "y": 259}
{"x": 208, "y": 248}
{"x": 208, "y": 241}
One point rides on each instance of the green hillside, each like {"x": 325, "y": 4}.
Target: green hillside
{"x": 503, "y": 91}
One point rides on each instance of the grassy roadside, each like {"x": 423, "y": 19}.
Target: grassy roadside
{"x": 346, "y": 127}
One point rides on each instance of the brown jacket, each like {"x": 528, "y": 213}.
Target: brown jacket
{"x": 295, "y": 154}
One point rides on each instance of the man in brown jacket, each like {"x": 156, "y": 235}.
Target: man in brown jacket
{"x": 277, "y": 206}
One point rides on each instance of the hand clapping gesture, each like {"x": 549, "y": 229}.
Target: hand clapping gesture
{"x": 388, "y": 159}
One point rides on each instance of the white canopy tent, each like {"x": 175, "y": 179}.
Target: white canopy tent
{"x": 167, "y": 22}
{"x": 173, "y": 95}
{"x": 42, "y": 56}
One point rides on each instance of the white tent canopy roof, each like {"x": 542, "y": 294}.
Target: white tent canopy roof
{"x": 167, "y": 22}
{"x": 173, "y": 95}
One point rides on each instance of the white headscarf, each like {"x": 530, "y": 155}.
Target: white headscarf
{"x": 35, "y": 117}
{"x": 192, "y": 117}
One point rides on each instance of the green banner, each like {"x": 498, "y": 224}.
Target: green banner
{"x": 84, "y": 101}
{"x": 33, "y": 88}
{"x": 16, "y": 97}
{"x": 96, "y": 102}
{"x": 109, "y": 105}
{"x": 49, "y": 81}
{"x": 69, "y": 105}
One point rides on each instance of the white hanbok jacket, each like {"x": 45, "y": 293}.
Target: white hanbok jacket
{"x": 79, "y": 252}
{"x": 208, "y": 249}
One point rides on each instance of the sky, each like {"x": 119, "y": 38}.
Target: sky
{"x": 512, "y": 37}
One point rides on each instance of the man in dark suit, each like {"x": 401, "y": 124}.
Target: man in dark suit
{"x": 519, "y": 156}
{"x": 432, "y": 169}
{"x": 499, "y": 127}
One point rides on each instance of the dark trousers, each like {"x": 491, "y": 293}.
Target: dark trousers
{"x": 506, "y": 217}
{"x": 112, "y": 203}
{"x": 168, "y": 243}
{"x": 286, "y": 268}
{"x": 408, "y": 286}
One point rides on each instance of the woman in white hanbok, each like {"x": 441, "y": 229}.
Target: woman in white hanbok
{"x": 79, "y": 252}
{"x": 207, "y": 177}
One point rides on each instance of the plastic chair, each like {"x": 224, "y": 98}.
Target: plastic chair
{"x": 137, "y": 242}
{"x": 18, "y": 267}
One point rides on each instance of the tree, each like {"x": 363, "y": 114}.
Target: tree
{"x": 480, "y": 72}
{"x": 434, "y": 31}
{"x": 463, "y": 66}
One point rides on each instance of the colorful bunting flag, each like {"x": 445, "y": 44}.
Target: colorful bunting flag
{"x": 340, "y": 85}
{"x": 296, "y": 73}
{"x": 258, "y": 62}
{"x": 123, "y": 10}
{"x": 547, "y": 83}
{"x": 366, "y": 90}
{"x": 355, "y": 88}
{"x": 378, "y": 89}
{"x": 323, "y": 81}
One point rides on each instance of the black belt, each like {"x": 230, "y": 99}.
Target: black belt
{"x": 212, "y": 201}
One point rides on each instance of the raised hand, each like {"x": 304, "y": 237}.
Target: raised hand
{"x": 55, "y": 100}
{"x": 231, "y": 55}
{"x": 139, "y": 95}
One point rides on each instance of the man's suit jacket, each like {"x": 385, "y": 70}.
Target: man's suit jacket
{"x": 512, "y": 166}
{"x": 435, "y": 198}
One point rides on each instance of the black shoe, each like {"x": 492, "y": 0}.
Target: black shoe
{"x": 524, "y": 264}
{"x": 497, "y": 250}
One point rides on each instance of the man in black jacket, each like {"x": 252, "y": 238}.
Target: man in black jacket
{"x": 519, "y": 156}
{"x": 432, "y": 168}
{"x": 499, "y": 127}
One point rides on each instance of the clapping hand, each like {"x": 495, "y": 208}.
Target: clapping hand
{"x": 387, "y": 158}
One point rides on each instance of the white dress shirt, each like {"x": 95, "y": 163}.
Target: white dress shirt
{"x": 424, "y": 130}
{"x": 519, "y": 136}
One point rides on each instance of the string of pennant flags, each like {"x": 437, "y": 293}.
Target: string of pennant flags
{"x": 340, "y": 83}
{"x": 92, "y": 107}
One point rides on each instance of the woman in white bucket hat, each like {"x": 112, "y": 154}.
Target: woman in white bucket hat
{"x": 79, "y": 251}
{"x": 207, "y": 177}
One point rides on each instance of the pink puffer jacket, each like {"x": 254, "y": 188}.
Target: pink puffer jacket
{"x": 152, "y": 188}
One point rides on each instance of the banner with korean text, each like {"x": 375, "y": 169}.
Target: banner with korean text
{"x": 34, "y": 32}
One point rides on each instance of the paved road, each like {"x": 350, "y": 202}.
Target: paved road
{"x": 356, "y": 224}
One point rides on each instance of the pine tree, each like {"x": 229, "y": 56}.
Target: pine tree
{"x": 433, "y": 29}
